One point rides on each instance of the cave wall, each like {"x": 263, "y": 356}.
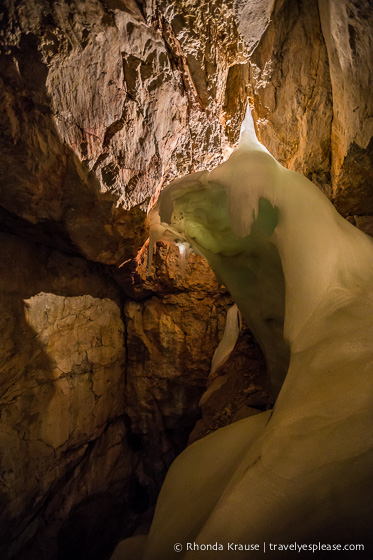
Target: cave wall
{"x": 102, "y": 103}
{"x": 62, "y": 392}
{"x": 309, "y": 82}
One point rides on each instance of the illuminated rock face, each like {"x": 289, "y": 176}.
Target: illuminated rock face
{"x": 62, "y": 388}
{"x": 303, "y": 470}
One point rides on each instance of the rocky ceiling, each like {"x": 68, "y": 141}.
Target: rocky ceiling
{"x": 103, "y": 102}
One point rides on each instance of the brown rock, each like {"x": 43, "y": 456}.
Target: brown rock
{"x": 365, "y": 223}
{"x": 168, "y": 274}
{"x": 170, "y": 342}
{"x": 291, "y": 91}
{"x": 238, "y": 384}
{"x": 103, "y": 102}
{"x": 62, "y": 394}
{"x": 100, "y": 106}
{"x": 346, "y": 29}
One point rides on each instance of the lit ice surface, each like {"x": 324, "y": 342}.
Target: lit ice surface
{"x": 228, "y": 342}
{"x": 302, "y": 278}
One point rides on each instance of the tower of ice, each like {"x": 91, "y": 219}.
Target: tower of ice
{"x": 302, "y": 277}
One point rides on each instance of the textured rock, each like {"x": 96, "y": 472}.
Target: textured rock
{"x": 62, "y": 392}
{"x": 314, "y": 112}
{"x": 168, "y": 274}
{"x": 172, "y": 332}
{"x": 102, "y": 102}
{"x": 365, "y": 223}
{"x": 170, "y": 341}
{"x": 291, "y": 93}
{"x": 347, "y": 28}
{"x": 91, "y": 418}
{"x": 166, "y": 339}
{"x": 173, "y": 80}
{"x": 237, "y": 390}
{"x": 253, "y": 19}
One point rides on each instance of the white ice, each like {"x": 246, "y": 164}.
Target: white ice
{"x": 302, "y": 277}
{"x": 229, "y": 339}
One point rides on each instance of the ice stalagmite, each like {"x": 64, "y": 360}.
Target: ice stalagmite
{"x": 302, "y": 278}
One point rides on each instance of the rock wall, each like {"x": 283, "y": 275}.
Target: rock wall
{"x": 103, "y": 101}
{"x": 291, "y": 91}
{"x": 63, "y": 433}
{"x": 103, "y": 364}
{"x": 309, "y": 87}
{"x": 346, "y": 29}
{"x": 175, "y": 318}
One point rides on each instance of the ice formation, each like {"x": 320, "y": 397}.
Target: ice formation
{"x": 228, "y": 342}
{"x": 302, "y": 277}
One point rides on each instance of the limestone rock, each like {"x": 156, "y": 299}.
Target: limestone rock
{"x": 346, "y": 29}
{"x": 101, "y": 102}
{"x": 63, "y": 435}
{"x": 170, "y": 342}
{"x": 95, "y": 406}
{"x": 310, "y": 72}
{"x": 291, "y": 92}
{"x": 173, "y": 328}
{"x": 365, "y": 223}
{"x": 168, "y": 274}
{"x": 238, "y": 389}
